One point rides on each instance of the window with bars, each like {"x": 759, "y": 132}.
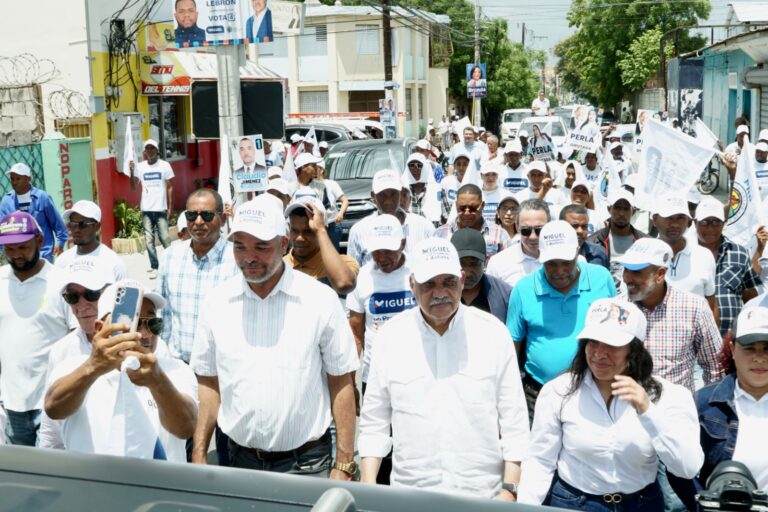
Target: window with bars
{"x": 408, "y": 104}
{"x": 367, "y": 39}
{"x": 313, "y": 101}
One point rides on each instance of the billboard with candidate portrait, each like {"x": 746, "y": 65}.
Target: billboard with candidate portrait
{"x": 477, "y": 86}
{"x": 249, "y": 163}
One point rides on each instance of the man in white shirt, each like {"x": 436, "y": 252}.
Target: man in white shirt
{"x": 156, "y": 177}
{"x": 386, "y": 190}
{"x": 760, "y": 166}
{"x": 692, "y": 267}
{"x": 540, "y": 105}
{"x": 33, "y": 315}
{"x": 444, "y": 381}
{"x": 84, "y": 223}
{"x": 515, "y": 177}
{"x": 82, "y": 402}
{"x": 521, "y": 258}
{"x": 733, "y": 149}
{"x": 541, "y": 186}
{"x": 476, "y": 150}
{"x": 275, "y": 359}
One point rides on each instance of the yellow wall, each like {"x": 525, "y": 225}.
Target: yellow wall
{"x": 351, "y": 65}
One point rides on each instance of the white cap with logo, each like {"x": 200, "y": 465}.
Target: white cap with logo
{"x": 558, "y": 241}
{"x": 260, "y": 217}
{"x": 710, "y": 207}
{"x": 751, "y": 325}
{"x": 670, "y": 205}
{"x": 87, "y": 209}
{"x": 386, "y": 179}
{"x": 434, "y": 257}
{"x": 614, "y": 322}
{"x": 305, "y": 159}
{"x": 302, "y": 203}
{"x": 386, "y": 234}
{"x": 86, "y": 272}
{"x": 645, "y": 252}
{"x": 20, "y": 169}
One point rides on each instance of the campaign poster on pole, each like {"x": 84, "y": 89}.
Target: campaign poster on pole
{"x": 388, "y": 116}
{"x": 249, "y": 162}
{"x": 477, "y": 85}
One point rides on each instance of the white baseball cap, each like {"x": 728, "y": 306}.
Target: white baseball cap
{"x": 279, "y": 185}
{"x": 107, "y": 300}
{"x": 19, "y": 168}
{"x": 323, "y": 144}
{"x": 296, "y": 138}
{"x": 181, "y": 222}
{"x": 670, "y": 205}
{"x": 513, "y": 146}
{"x": 614, "y": 322}
{"x": 386, "y": 234}
{"x": 305, "y": 159}
{"x": 742, "y": 129}
{"x": 761, "y": 146}
{"x": 537, "y": 165}
{"x": 424, "y": 144}
{"x": 151, "y": 142}
{"x": 302, "y": 203}
{"x": 751, "y": 325}
{"x": 481, "y": 129}
{"x": 274, "y": 171}
{"x": 386, "y": 179}
{"x": 580, "y": 182}
{"x": 260, "y": 217}
{"x": 87, "y": 209}
{"x": 619, "y": 194}
{"x": 434, "y": 257}
{"x": 763, "y": 135}
{"x": 462, "y": 153}
{"x": 416, "y": 157}
{"x": 615, "y": 145}
{"x": 522, "y": 133}
{"x": 710, "y": 207}
{"x": 644, "y": 252}
{"x": 85, "y": 271}
{"x": 558, "y": 241}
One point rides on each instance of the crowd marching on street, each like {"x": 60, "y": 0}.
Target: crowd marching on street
{"x": 502, "y": 326}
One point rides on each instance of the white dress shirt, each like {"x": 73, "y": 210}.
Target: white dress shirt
{"x": 454, "y": 402}
{"x": 272, "y": 357}
{"x": 693, "y": 270}
{"x": 750, "y": 442}
{"x": 512, "y": 264}
{"x": 600, "y": 449}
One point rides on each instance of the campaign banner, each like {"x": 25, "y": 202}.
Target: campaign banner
{"x": 670, "y": 163}
{"x": 745, "y": 202}
{"x": 542, "y": 149}
{"x": 477, "y": 85}
{"x": 584, "y": 139}
{"x": 249, "y": 162}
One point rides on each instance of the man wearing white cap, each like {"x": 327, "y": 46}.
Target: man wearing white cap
{"x": 541, "y": 186}
{"x": 474, "y": 148}
{"x": 515, "y": 175}
{"x": 275, "y": 359}
{"x": 733, "y": 149}
{"x": 323, "y": 148}
{"x": 386, "y": 189}
{"x": 83, "y": 390}
{"x": 312, "y": 250}
{"x": 425, "y": 148}
{"x": 279, "y": 188}
{"x": 547, "y": 308}
{"x": 451, "y": 183}
{"x": 493, "y": 194}
{"x": 272, "y": 157}
{"x": 84, "y": 223}
{"x": 681, "y": 328}
{"x": 692, "y": 267}
{"x": 295, "y": 141}
{"x": 623, "y": 163}
{"x": 444, "y": 378}
{"x": 156, "y": 177}
{"x": 736, "y": 281}
{"x": 26, "y": 198}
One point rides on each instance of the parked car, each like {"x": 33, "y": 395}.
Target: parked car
{"x": 510, "y": 123}
{"x": 352, "y": 165}
{"x": 559, "y": 130}
{"x": 332, "y": 134}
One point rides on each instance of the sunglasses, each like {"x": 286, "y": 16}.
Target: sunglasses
{"x": 467, "y": 209}
{"x": 526, "y": 231}
{"x": 206, "y": 215}
{"x": 153, "y": 324}
{"x": 417, "y": 165}
{"x": 507, "y": 209}
{"x": 81, "y": 225}
{"x": 715, "y": 223}
{"x": 73, "y": 298}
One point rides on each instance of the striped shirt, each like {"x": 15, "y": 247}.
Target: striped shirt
{"x": 183, "y": 282}
{"x": 496, "y": 239}
{"x": 272, "y": 357}
{"x": 734, "y": 275}
{"x": 681, "y": 331}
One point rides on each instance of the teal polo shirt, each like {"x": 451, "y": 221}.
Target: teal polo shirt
{"x": 549, "y": 321}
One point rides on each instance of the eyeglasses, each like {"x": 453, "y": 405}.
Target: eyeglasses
{"x": 153, "y": 324}
{"x": 206, "y": 215}
{"x": 507, "y": 209}
{"x": 80, "y": 225}
{"x": 527, "y": 230}
{"x": 715, "y": 223}
{"x": 417, "y": 165}
{"x": 73, "y": 298}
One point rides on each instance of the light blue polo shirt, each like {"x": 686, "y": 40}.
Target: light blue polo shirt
{"x": 549, "y": 321}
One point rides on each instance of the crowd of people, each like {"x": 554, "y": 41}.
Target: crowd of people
{"x": 516, "y": 335}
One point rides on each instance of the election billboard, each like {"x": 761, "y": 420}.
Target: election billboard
{"x": 249, "y": 162}
{"x": 477, "y": 84}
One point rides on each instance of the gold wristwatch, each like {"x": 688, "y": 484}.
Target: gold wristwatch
{"x": 349, "y": 468}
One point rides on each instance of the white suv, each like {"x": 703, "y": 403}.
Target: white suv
{"x": 510, "y": 123}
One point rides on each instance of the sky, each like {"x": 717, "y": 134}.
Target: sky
{"x": 546, "y": 23}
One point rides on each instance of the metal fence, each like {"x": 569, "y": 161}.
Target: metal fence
{"x": 30, "y": 155}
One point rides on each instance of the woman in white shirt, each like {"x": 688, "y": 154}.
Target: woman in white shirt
{"x": 601, "y": 429}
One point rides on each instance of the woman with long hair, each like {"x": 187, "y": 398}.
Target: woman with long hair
{"x": 506, "y": 215}
{"x": 601, "y": 429}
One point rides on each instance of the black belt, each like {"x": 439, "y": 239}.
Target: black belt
{"x": 273, "y": 456}
{"x": 532, "y": 383}
{"x": 611, "y": 497}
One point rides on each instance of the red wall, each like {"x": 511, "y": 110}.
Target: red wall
{"x": 202, "y": 162}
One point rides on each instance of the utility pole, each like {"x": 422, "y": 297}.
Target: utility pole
{"x": 386, "y": 23}
{"x": 522, "y": 41}
{"x": 477, "y": 101}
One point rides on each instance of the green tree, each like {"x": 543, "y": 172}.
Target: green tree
{"x": 641, "y": 62}
{"x": 588, "y": 59}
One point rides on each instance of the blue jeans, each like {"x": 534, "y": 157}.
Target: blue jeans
{"x": 334, "y": 233}
{"x": 314, "y": 462}
{"x": 672, "y": 502}
{"x": 21, "y": 427}
{"x": 566, "y": 496}
{"x": 155, "y": 222}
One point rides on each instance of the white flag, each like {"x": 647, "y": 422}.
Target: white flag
{"x": 670, "y": 163}
{"x": 703, "y": 134}
{"x": 745, "y": 204}
{"x": 289, "y": 170}
{"x": 225, "y": 171}
{"x": 129, "y": 150}
{"x": 547, "y": 130}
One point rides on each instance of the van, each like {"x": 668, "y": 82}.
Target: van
{"x": 510, "y": 123}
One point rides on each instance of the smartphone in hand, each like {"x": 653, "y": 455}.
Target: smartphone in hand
{"x": 127, "y": 307}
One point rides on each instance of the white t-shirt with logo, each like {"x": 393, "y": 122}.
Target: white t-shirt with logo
{"x": 761, "y": 175}
{"x": 379, "y": 296}
{"x": 154, "y": 197}
{"x": 491, "y": 200}
{"x": 516, "y": 179}
{"x": 104, "y": 259}
{"x": 450, "y": 186}
{"x": 693, "y": 270}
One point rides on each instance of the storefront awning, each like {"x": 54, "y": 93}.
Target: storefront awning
{"x": 171, "y": 73}
{"x": 753, "y": 43}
